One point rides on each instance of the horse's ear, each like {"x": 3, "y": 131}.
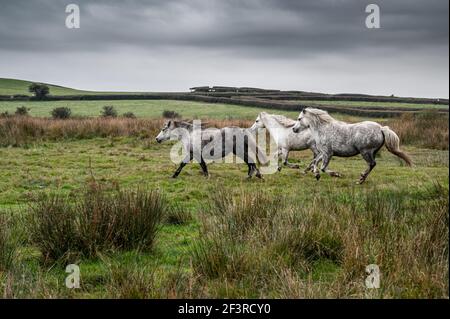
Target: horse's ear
{"x": 169, "y": 123}
{"x": 305, "y": 110}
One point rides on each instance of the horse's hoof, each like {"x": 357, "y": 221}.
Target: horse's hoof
{"x": 317, "y": 177}
{"x": 174, "y": 176}
{"x": 295, "y": 166}
{"x": 259, "y": 176}
{"x": 336, "y": 175}
{"x": 279, "y": 169}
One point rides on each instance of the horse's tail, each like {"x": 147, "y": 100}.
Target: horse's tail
{"x": 392, "y": 142}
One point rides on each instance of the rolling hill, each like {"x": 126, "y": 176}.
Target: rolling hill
{"x": 14, "y": 87}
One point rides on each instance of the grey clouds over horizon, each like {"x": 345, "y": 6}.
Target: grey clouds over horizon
{"x": 320, "y": 45}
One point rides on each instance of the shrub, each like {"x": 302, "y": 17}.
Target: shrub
{"x": 53, "y": 227}
{"x": 40, "y": 91}
{"x": 109, "y": 111}
{"x": 96, "y": 222}
{"x": 61, "y": 113}
{"x": 170, "y": 115}
{"x": 129, "y": 115}
{"x": 22, "y": 111}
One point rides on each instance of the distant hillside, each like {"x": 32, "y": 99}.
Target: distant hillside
{"x": 353, "y": 104}
{"x": 14, "y": 87}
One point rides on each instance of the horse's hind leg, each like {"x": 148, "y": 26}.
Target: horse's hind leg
{"x": 369, "y": 157}
{"x": 253, "y": 169}
{"x": 204, "y": 168}
{"x": 186, "y": 160}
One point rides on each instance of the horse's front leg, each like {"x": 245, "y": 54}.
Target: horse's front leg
{"x": 316, "y": 162}
{"x": 310, "y": 167}
{"x": 325, "y": 169}
{"x": 183, "y": 163}
{"x": 284, "y": 159}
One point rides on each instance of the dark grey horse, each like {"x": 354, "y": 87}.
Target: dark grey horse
{"x": 212, "y": 144}
{"x": 336, "y": 138}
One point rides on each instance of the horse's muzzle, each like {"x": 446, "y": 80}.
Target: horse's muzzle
{"x": 296, "y": 130}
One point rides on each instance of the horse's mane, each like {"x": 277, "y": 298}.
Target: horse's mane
{"x": 318, "y": 116}
{"x": 283, "y": 120}
{"x": 187, "y": 124}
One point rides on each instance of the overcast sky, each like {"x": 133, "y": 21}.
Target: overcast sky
{"x": 146, "y": 45}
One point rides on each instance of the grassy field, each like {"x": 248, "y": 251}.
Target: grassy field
{"x": 373, "y": 104}
{"x": 67, "y": 167}
{"x": 149, "y": 108}
{"x": 285, "y": 236}
{"x": 153, "y": 109}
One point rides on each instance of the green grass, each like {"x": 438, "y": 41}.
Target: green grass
{"x": 143, "y": 108}
{"x": 374, "y": 104}
{"x": 66, "y": 166}
{"x": 155, "y": 108}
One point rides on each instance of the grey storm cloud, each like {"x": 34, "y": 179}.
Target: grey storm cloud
{"x": 257, "y": 30}
{"x": 254, "y": 27}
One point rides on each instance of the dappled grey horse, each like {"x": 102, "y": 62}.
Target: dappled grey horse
{"x": 211, "y": 144}
{"x": 336, "y": 138}
{"x": 280, "y": 128}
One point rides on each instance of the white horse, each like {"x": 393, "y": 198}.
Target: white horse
{"x": 280, "y": 128}
{"x": 336, "y": 138}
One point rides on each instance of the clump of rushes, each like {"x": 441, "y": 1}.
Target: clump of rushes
{"x": 98, "y": 221}
{"x": 61, "y": 113}
{"x": 262, "y": 245}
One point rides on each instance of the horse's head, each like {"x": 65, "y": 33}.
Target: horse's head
{"x": 173, "y": 130}
{"x": 258, "y": 123}
{"x": 164, "y": 134}
{"x": 302, "y": 122}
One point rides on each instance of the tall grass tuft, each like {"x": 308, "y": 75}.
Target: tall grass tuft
{"x": 8, "y": 246}
{"x": 321, "y": 246}
{"x": 22, "y": 130}
{"x": 428, "y": 129}
{"x": 177, "y": 215}
{"x": 65, "y": 228}
{"x": 19, "y": 130}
